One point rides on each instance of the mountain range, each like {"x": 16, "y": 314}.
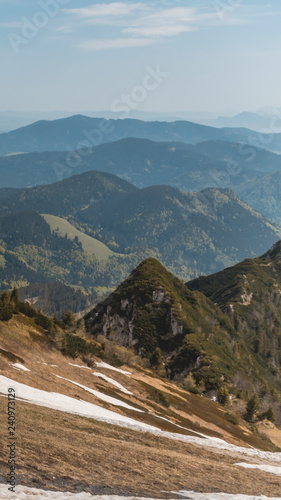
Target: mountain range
{"x": 254, "y": 174}
{"x": 80, "y": 132}
{"x": 90, "y": 230}
{"x": 254, "y": 121}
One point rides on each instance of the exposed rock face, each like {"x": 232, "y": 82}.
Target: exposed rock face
{"x": 175, "y": 326}
{"x": 124, "y": 304}
{"x": 246, "y": 298}
{"x": 121, "y": 325}
{"x": 159, "y": 296}
{"x": 123, "y": 321}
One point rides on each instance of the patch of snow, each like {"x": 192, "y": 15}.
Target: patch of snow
{"x": 113, "y": 382}
{"x": 103, "y": 397}
{"x": 67, "y": 404}
{"x": 23, "y": 492}
{"x": 20, "y": 367}
{"x": 265, "y": 468}
{"x": 79, "y": 366}
{"x": 177, "y": 425}
{"x": 192, "y": 495}
{"x": 101, "y": 364}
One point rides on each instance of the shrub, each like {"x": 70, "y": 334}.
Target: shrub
{"x": 73, "y": 345}
{"x": 232, "y": 418}
{"x": 209, "y": 374}
{"x": 160, "y": 398}
{"x": 223, "y": 396}
{"x": 193, "y": 390}
{"x": 268, "y": 415}
{"x": 156, "y": 359}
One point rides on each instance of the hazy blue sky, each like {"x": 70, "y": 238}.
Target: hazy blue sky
{"x": 85, "y": 55}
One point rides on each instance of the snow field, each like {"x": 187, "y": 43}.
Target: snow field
{"x": 192, "y": 495}
{"x": 25, "y": 493}
{"x": 263, "y": 467}
{"x": 113, "y": 382}
{"x": 103, "y": 397}
{"x": 67, "y": 404}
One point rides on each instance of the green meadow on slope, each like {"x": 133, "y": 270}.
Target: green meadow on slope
{"x": 90, "y": 245}
{"x": 30, "y": 253}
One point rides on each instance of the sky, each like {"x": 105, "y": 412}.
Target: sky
{"x": 216, "y": 56}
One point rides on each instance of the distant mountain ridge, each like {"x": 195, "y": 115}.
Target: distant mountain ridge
{"x": 79, "y": 131}
{"x": 254, "y": 174}
{"x": 69, "y": 196}
{"x": 253, "y": 121}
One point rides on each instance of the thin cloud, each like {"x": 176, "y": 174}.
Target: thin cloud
{"x": 141, "y": 24}
{"x": 117, "y": 43}
{"x": 158, "y": 31}
{"x": 182, "y": 13}
{"x": 105, "y": 13}
{"x": 66, "y": 28}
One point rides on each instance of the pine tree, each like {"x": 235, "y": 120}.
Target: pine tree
{"x": 253, "y": 406}
{"x": 14, "y": 299}
{"x": 270, "y": 414}
{"x": 68, "y": 319}
{"x": 81, "y": 325}
{"x": 15, "y": 295}
{"x": 156, "y": 359}
{"x": 223, "y": 395}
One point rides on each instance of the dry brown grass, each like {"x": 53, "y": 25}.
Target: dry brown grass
{"x": 61, "y": 450}
{"x": 55, "y": 449}
{"x": 271, "y": 431}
